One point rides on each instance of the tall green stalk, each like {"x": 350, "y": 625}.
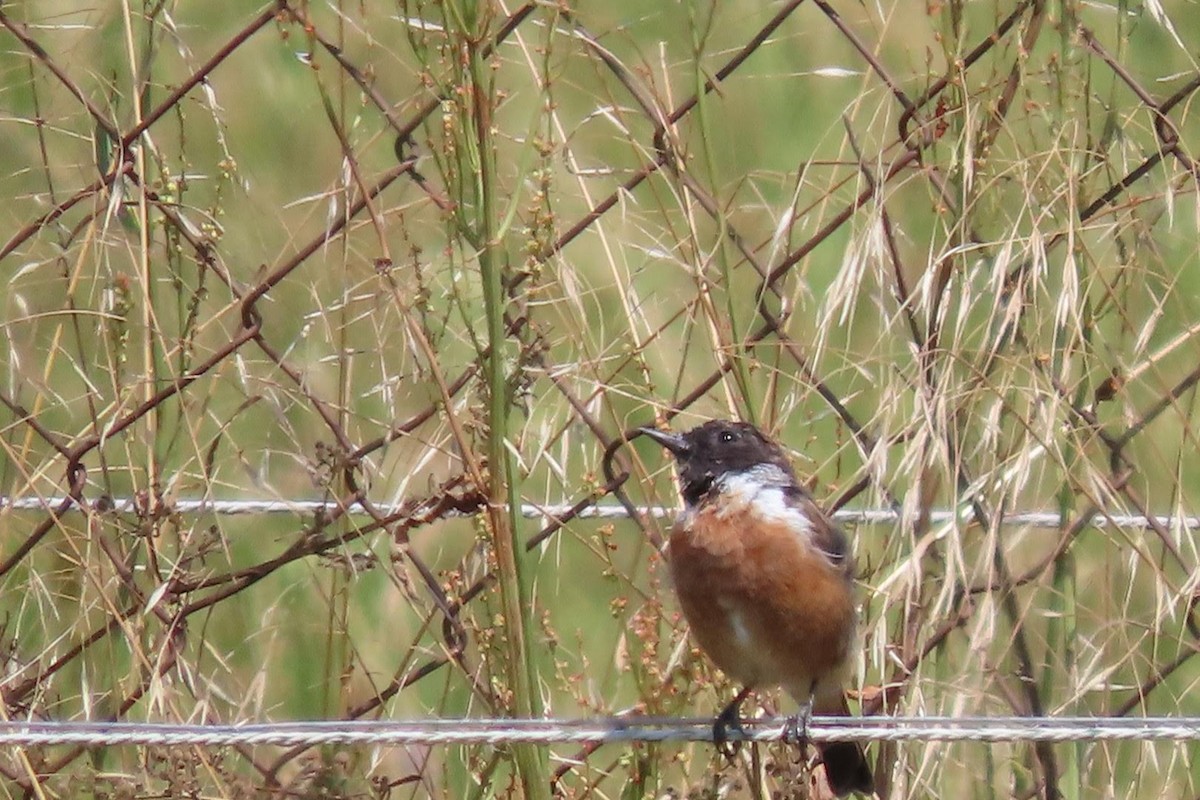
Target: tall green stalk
{"x": 516, "y": 591}
{"x": 1063, "y": 621}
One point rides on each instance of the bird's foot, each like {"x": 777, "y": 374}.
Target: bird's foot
{"x": 728, "y": 720}
{"x": 725, "y": 722}
{"x": 795, "y": 730}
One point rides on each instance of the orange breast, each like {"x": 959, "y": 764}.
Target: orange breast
{"x": 763, "y": 603}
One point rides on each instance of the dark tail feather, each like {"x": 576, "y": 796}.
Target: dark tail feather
{"x": 846, "y": 768}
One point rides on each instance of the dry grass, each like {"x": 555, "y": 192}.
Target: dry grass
{"x": 424, "y": 260}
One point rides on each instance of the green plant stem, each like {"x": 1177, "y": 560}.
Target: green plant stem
{"x": 503, "y": 478}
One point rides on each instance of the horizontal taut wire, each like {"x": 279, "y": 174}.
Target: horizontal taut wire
{"x": 1031, "y": 519}
{"x": 611, "y": 730}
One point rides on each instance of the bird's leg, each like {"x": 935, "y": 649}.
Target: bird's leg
{"x": 727, "y": 721}
{"x": 795, "y": 730}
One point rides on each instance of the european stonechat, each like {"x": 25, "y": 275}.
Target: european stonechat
{"x": 765, "y": 580}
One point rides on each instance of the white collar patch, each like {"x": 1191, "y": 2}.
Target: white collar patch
{"x": 763, "y": 487}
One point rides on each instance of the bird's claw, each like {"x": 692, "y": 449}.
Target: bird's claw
{"x": 795, "y": 730}
{"x": 728, "y": 721}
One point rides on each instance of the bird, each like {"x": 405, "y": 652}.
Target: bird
{"x": 765, "y": 580}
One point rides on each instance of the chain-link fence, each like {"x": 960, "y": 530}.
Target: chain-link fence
{"x": 426, "y": 264}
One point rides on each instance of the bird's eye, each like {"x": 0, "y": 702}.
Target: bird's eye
{"x": 727, "y": 437}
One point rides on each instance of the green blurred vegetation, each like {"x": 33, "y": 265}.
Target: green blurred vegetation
{"x": 1035, "y": 307}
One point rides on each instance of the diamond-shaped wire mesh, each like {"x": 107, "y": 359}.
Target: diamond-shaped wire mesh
{"x": 424, "y": 260}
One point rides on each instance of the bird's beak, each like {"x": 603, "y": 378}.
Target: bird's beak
{"x": 674, "y": 442}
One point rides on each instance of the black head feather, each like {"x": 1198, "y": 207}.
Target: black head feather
{"x": 710, "y": 451}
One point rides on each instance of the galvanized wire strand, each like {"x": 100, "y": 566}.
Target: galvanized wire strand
{"x": 609, "y": 730}
{"x": 848, "y": 516}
